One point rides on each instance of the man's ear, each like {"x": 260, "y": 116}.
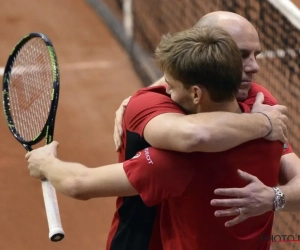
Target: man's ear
{"x": 196, "y": 93}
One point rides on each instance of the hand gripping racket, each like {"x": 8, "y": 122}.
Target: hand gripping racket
{"x": 30, "y": 98}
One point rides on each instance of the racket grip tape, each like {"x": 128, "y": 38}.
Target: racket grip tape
{"x": 56, "y": 232}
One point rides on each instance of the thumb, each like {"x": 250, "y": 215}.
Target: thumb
{"x": 259, "y": 98}
{"x": 54, "y": 144}
{"x": 53, "y": 147}
{"x": 27, "y": 155}
{"x": 246, "y": 176}
{"x": 126, "y": 101}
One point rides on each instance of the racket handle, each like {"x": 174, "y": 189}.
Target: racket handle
{"x": 56, "y": 232}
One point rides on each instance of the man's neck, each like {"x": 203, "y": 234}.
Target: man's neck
{"x": 231, "y": 106}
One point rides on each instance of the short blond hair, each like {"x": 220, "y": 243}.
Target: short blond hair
{"x": 206, "y": 56}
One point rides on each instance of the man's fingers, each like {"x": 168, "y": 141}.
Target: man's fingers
{"x": 281, "y": 108}
{"x": 118, "y": 130}
{"x": 118, "y": 144}
{"x": 284, "y": 139}
{"x": 227, "y": 212}
{"x": 246, "y": 176}
{"x": 285, "y": 130}
{"x": 119, "y": 134}
{"x": 235, "y": 202}
{"x": 53, "y": 147}
{"x": 118, "y": 127}
{"x": 259, "y": 98}
{"x": 235, "y": 221}
{"x": 27, "y": 155}
{"x": 284, "y": 118}
{"x": 127, "y": 101}
{"x": 117, "y": 137}
{"x": 233, "y": 192}
{"x": 54, "y": 144}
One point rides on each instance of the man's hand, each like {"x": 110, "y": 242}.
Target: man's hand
{"x": 118, "y": 131}
{"x": 277, "y": 115}
{"x": 38, "y": 157}
{"x": 252, "y": 200}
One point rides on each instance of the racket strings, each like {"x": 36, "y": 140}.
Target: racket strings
{"x": 30, "y": 89}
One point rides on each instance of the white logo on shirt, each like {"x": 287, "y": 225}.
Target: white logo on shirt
{"x": 148, "y": 156}
{"x": 137, "y": 155}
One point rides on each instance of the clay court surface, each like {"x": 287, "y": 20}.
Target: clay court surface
{"x": 96, "y": 75}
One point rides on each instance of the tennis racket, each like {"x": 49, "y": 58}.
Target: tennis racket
{"x": 30, "y": 98}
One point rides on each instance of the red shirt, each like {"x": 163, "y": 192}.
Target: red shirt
{"x": 135, "y": 226}
{"x": 256, "y": 88}
{"x": 184, "y": 185}
{"x": 144, "y": 105}
{"x": 268, "y": 99}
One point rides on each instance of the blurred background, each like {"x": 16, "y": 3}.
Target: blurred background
{"x": 105, "y": 50}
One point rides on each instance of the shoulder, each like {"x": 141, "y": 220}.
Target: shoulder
{"x": 148, "y": 92}
{"x": 255, "y": 89}
{"x": 152, "y": 98}
{"x": 146, "y": 104}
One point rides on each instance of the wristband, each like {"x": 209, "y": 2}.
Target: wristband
{"x": 271, "y": 125}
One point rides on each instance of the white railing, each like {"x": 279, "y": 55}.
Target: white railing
{"x": 289, "y": 10}
{"x": 128, "y": 18}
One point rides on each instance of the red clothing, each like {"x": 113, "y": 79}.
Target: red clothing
{"x": 184, "y": 185}
{"x": 135, "y": 226}
{"x": 144, "y": 105}
{"x": 133, "y": 222}
{"x": 255, "y": 89}
{"x": 270, "y": 100}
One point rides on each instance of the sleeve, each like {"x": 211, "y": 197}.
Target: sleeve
{"x": 144, "y": 106}
{"x": 269, "y": 100}
{"x": 158, "y": 175}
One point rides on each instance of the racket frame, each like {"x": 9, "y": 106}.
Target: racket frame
{"x": 48, "y": 128}
{"x": 57, "y": 233}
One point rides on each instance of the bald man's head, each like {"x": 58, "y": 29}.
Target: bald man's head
{"x": 246, "y": 38}
{"x": 216, "y": 16}
{"x": 229, "y": 21}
